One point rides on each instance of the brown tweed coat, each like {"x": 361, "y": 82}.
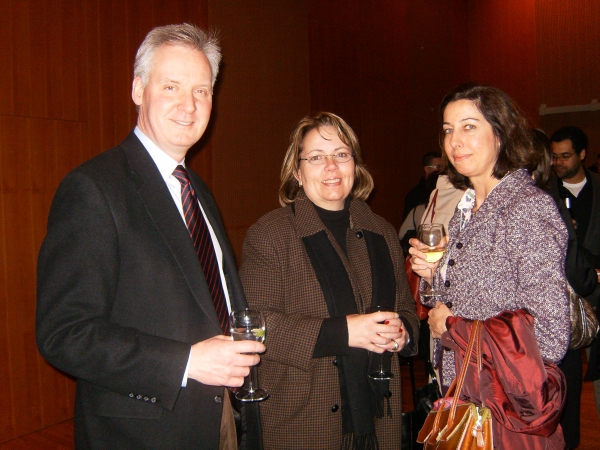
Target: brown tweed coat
{"x": 279, "y": 279}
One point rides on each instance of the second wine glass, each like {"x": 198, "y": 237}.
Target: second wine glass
{"x": 380, "y": 374}
{"x": 433, "y": 235}
{"x": 250, "y": 326}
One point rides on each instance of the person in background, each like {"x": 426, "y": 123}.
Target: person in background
{"x": 408, "y": 229}
{"x": 419, "y": 195}
{"x": 440, "y": 209}
{"x": 583, "y": 279}
{"x": 507, "y": 241}
{"x": 580, "y": 188}
{"x": 136, "y": 275}
{"x": 318, "y": 267}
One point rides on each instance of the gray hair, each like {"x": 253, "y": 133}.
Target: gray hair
{"x": 185, "y": 35}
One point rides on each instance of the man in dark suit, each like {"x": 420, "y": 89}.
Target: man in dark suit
{"x": 580, "y": 190}
{"x": 125, "y": 304}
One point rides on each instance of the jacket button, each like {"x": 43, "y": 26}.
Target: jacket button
{"x": 447, "y": 283}
{"x": 131, "y": 395}
{"x": 139, "y": 396}
{"x": 451, "y": 262}
{"x": 334, "y": 408}
{"x": 334, "y": 362}
{"x": 218, "y": 399}
{"x": 153, "y": 400}
{"x": 459, "y": 245}
{"x": 359, "y": 234}
{"x": 146, "y": 399}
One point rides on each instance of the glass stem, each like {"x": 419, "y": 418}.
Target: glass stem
{"x": 432, "y": 279}
{"x": 250, "y": 381}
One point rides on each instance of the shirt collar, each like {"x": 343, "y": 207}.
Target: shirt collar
{"x": 166, "y": 165}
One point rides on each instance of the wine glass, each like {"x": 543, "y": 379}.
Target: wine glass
{"x": 248, "y": 325}
{"x": 380, "y": 374}
{"x": 434, "y": 236}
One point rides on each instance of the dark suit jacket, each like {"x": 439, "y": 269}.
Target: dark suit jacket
{"x": 592, "y": 237}
{"x": 122, "y": 296}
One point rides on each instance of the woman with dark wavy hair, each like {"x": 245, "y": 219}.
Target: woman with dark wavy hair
{"x": 317, "y": 268}
{"x": 507, "y": 241}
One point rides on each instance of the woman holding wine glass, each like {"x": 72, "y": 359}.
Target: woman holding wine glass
{"x": 507, "y": 241}
{"x": 329, "y": 276}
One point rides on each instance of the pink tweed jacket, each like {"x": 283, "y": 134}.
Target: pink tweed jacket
{"x": 279, "y": 279}
{"x": 511, "y": 255}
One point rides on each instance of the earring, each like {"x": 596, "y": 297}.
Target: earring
{"x": 300, "y": 183}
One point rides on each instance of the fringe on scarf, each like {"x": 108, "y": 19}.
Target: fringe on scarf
{"x": 366, "y": 442}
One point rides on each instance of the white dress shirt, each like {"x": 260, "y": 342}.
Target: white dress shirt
{"x": 166, "y": 166}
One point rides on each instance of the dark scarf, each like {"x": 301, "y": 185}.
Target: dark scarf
{"x": 362, "y": 398}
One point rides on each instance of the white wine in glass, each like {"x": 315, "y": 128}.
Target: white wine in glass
{"x": 248, "y": 325}
{"x": 434, "y": 237}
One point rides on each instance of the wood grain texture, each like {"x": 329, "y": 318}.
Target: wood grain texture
{"x": 66, "y": 73}
{"x": 65, "y": 83}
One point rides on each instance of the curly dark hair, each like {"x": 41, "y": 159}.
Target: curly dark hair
{"x": 509, "y": 126}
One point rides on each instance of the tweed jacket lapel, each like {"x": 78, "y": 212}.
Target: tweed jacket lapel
{"x": 158, "y": 201}
{"x": 308, "y": 223}
{"x": 356, "y": 262}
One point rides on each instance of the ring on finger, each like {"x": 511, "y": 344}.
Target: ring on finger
{"x": 396, "y": 345}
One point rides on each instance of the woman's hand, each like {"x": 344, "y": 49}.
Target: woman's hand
{"x": 397, "y": 343}
{"x": 437, "y": 319}
{"x": 418, "y": 261}
{"x": 365, "y": 331}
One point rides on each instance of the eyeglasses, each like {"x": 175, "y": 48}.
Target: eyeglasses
{"x": 317, "y": 160}
{"x": 562, "y": 156}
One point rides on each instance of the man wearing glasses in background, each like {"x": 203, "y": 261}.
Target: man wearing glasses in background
{"x": 581, "y": 190}
{"x": 579, "y": 187}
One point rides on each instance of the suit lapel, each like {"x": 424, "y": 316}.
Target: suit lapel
{"x": 158, "y": 202}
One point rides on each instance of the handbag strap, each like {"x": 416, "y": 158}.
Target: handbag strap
{"x": 431, "y": 208}
{"x": 457, "y": 383}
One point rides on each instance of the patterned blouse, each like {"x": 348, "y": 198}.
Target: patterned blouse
{"x": 508, "y": 255}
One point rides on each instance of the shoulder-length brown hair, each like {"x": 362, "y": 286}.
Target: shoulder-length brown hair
{"x": 363, "y": 181}
{"x": 508, "y": 123}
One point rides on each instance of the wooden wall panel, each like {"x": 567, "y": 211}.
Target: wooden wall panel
{"x": 384, "y": 67}
{"x": 502, "y": 43}
{"x": 7, "y": 423}
{"x": 20, "y": 289}
{"x": 6, "y": 67}
{"x": 65, "y": 81}
{"x": 568, "y": 46}
{"x": 261, "y": 92}
{"x": 568, "y": 49}
{"x": 66, "y": 77}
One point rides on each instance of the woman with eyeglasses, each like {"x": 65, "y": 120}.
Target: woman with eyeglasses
{"x": 317, "y": 267}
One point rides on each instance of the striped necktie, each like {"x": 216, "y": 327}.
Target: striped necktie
{"x": 205, "y": 249}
